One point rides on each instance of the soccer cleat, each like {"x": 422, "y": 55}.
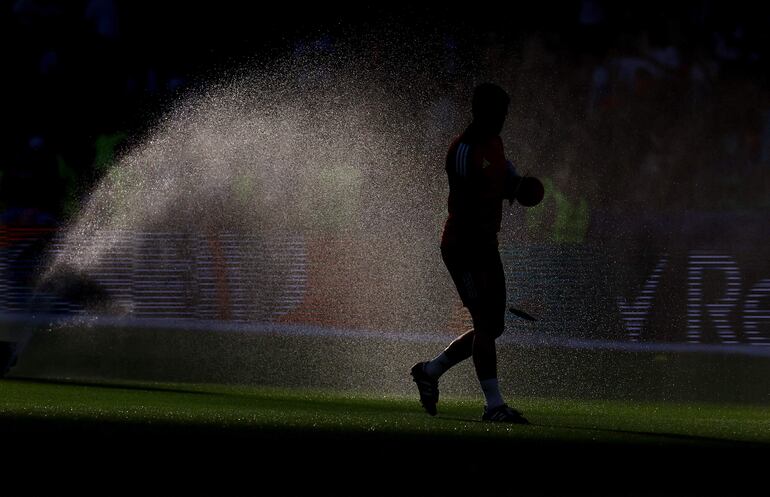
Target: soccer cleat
{"x": 504, "y": 414}
{"x": 427, "y": 386}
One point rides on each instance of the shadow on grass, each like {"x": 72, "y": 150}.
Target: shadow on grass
{"x": 651, "y": 434}
{"x": 108, "y": 385}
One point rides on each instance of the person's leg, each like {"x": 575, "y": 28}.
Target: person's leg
{"x": 489, "y": 323}
{"x": 426, "y": 374}
{"x": 484, "y": 356}
{"x": 460, "y": 349}
{"x": 459, "y": 262}
{"x": 480, "y": 282}
{"x": 488, "y": 313}
{"x": 485, "y": 363}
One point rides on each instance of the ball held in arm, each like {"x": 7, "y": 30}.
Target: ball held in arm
{"x": 526, "y": 190}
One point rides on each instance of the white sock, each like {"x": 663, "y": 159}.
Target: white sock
{"x": 437, "y": 366}
{"x": 492, "y": 393}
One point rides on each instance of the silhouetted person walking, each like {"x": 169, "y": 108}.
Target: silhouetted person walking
{"x": 480, "y": 178}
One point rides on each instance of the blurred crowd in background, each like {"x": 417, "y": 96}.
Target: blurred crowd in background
{"x": 621, "y": 105}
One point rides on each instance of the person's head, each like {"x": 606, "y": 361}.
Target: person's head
{"x": 490, "y": 108}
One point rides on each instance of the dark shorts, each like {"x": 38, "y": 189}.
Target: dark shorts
{"x": 478, "y": 274}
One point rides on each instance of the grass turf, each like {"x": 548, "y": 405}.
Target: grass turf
{"x": 164, "y": 438}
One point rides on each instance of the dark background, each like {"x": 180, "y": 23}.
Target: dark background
{"x": 84, "y": 78}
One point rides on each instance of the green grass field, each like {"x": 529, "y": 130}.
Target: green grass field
{"x": 209, "y": 439}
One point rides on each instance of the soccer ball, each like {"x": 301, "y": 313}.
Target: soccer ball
{"x": 530, "y": 191}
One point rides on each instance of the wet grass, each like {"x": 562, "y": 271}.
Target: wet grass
{"x": 250, "y": 408}
{"x": 257, "y": 435}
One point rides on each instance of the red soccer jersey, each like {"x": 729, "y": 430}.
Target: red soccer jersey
{"x": 476, "y": 170}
